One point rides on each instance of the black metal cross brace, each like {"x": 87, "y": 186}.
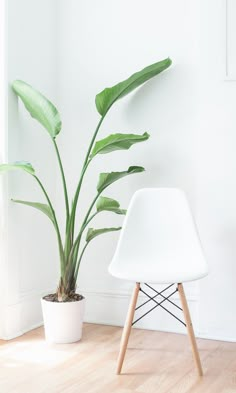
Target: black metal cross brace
{"x": 152, "y": 298}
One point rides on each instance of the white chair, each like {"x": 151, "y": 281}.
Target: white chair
{"x": 158, "y": 244}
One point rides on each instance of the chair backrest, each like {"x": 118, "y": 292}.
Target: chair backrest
{"x": 159, "y": 234}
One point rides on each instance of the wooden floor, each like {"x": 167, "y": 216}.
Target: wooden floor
{"x": 155, "y": 362}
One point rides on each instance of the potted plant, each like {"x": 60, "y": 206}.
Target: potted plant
{"x": 63, "y": 310}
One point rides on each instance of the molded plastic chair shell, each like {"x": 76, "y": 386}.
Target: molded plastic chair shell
{"x": 159, "y": 242}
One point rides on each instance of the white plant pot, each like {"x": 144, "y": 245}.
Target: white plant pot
{"x": 63, "y": 321}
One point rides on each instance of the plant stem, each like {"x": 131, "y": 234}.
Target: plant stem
{"x": 78, "y": 263}
{"x": 86, "y": 221}
{"x": 63, "y": 182}
{"x": 76, "y": 248}
{"x": 93, "y": 139}
{"x": 85, "y": 166}
{"x": 83, "y": 226}
{"x": 71, "y": 223}
{"x": 90, "y": 219}
{"x": 56, "y": 226}
{"x": 73, "y": 209}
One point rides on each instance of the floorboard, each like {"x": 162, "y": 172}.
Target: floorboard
{"x": 155, "y": 362}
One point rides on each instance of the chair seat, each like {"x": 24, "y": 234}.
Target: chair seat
{"x": 153, "y": 272}
{"x": 159, "y": 242}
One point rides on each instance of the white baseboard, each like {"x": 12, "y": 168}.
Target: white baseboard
{"x": 110, "y": 308}
{"x": 105, "y": 308}
{"x": 24, "y": 315}
{"x": 19, "y": 333}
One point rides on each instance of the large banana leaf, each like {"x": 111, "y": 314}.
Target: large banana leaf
{"x": 109, "y": 204}
{"x": 25, "y": 166}
{"x": 108, "y": 96}
{"x": 92, "y": 233}
{"x": 40, "y": 206}
{"x": 105, "y": 179}
{"x": 117, "y": 142}
{"x": 39, "y": 107}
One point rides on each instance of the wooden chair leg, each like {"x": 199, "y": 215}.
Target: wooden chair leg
{"x": 127, "y": 327}
{"x": 190, "y": 329}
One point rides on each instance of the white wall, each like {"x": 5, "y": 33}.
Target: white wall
{"x": 216, "y": 184}
{"x": 101, "y": 44}
{"x": 30, "y": 258}
{"x": 188, "y": 110}
{"x": 3, "y": 182}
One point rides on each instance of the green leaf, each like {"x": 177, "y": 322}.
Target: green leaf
{"x": 108, "y": 204}
{"x": 92, "y": 233}
{"x": 40, "y": 206}
{"x": 117, "y": 142}
{"x": 39, "y": 107}
{"x": 108, "y": 96}
{"x": 105, "y": 179}
{"x": 25, "y": 166}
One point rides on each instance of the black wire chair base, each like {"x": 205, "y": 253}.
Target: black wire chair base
{"x": 158, "y": 303}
